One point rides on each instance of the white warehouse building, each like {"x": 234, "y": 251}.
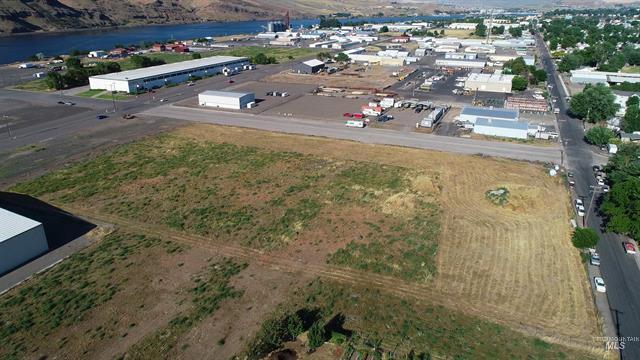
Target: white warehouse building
{"x": 21, "y": 239}
{"x": 501, "y": 128}
{"x": 132, "y": 81}
{"x": 489, "y": 82}
{"x": 226, "y": 99}
{"x": 471, "y": 114}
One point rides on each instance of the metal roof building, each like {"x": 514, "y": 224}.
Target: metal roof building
{"x": 501, "y": 128}
{"x": 309, "y": 67}
{"x": 131, "y": 81}
{"x": 225, "y": 99}
{"x": 472, "y": 114}
{"x": 590, "y": 76}
{"x": 21, "y": 239}
{"x": 489, "y": 82}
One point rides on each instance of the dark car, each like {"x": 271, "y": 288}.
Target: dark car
{"x": 100, "y": 117}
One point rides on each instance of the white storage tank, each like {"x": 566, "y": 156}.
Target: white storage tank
{"x": 21, "y": 239}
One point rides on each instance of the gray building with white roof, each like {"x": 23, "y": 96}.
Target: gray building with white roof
{"x": 472, "y": 113}
{"x": 132, "y": 81}
{"x": 21, "y": 239}
{"x": 501, "y": 128}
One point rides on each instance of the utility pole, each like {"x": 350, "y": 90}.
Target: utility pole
{"x": 8, "y": 126}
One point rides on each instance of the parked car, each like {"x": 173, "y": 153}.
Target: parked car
{"x": 600, "y": 182}
{"x": 599, "y": 284}
{"x": 100, "y": 117}
{"x": 580, "y": 210}
{"x": 230, "y": 81}
{"x": 572, "y": 182}
{"x": 163, "y": 100}
{"x": 128, "y": 116}
{"x": 597, "y": 168}
{"x": 629, "y": 247}
{"x": 595, "y": 259}
{"x": 579, "y": 203}
{"x": 191, "y": 83}
{"x": 569, "y": 174}
{"x": 605, "y": 188}
{"x": 347, "y": 115}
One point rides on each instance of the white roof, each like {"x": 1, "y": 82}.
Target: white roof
{"x": 227, "y": 94}
{"x": 313, "y": 62}
{"x": 12, "y": 224}
{"x": 491, "y": 78}
{"x": 170, "y": 68}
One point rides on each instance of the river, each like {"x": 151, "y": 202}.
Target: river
{"x": 19, "y": 47}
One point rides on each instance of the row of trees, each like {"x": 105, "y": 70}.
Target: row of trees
{"x": 77, "y": 74}
{"x": 262, "y": 59}
{"x": 525, "y": 74}
{"x": 621, "y": 205}
{"x": 481, "y": 30}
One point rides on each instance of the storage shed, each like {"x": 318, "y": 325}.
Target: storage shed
{"x": 309, "y": 67}
{"x": 225, "y": 99}
{"x": 21, "y": 239}
{"x": 501, "y": 128}
{"x": 473, "y": 113}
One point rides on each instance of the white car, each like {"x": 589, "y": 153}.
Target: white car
{"x": 599, "y": 284}
{"x": 600, "y": 182}
{"x": 579, "y": 203}
{"x": 605, "y": 188}
{"x": 580, "y": 210}
{"x": 595, "y": 259}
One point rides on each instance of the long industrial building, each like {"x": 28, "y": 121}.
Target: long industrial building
{"x": 472, "y": 113}
{"x": 591, "y": 76}
{"x": 21, "y": 239}
{"x": 133, "y": 81}
{"x": 489, "y": 82}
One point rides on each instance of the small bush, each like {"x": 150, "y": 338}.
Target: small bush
{"x": 584, "y": 238}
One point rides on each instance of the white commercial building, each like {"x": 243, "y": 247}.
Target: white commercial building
{"x": 501, "y": 128}
{"x": 461, "y": 63}
{"x": 590, "y": 76}
{"x": 489, "y": 82}
{"x": 132, "y": 81}
{"x": 471, "y": 114}
{"x": 225, "y": 99}
{"x": 463, "y": 26}
{"x": 21, "y": 239}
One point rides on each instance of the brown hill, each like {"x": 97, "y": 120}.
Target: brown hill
{"x": 18, "y": 16}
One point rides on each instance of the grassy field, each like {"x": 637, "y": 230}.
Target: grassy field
{"x": 367, "y": 326}
{"x": 281, "y": 54}
{"x": 46, "y": 307}
{"x": 408, "y": 222}
{"x": 631, "y": 69}
{"x": 90, "y": 93}
{"x": 33, "y": 85}
{"x": 118, "y": 96}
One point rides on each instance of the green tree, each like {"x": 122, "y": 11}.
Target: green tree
{"x": 569, "y": 62}
{"x": 316, "y": 335}
{"x": 54, "y": 81}
{"x": 75, "y": 77}
{"x": 519, "y": 83}
{"x": 595, "y": 104}
{"x": 498, "y": 30}
{"x": 583, "y": 238}
{"x": 329, "y": 23}
{"x": 517, "y": 66}
{"x": 196, "y": 56}
{"x": 481, "y": 30}
{"x": 631, "y": 121}
{"x": 515, "y": 31}
{"x": 540, "y": 75}
{"x": 622, "y": 207}
{"x": 599, "y": 135}
{"x": 282, "y": 327}
{"x": 342, "y": 57}
{"x": 73, "y": 63}
{"x": 633, "y": 100}
{"x": 384, "y": 29}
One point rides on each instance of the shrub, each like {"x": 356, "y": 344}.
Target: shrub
{"x": 584, "y": 238}
{"x": 599, "y": 135}
{"x": 316, "y": 335}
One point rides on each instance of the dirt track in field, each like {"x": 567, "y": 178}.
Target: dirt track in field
{"x": 513, "y": 265}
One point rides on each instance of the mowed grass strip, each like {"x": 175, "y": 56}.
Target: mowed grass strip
{"x": 64, "y": 295}
{"x": 261, "y": 198}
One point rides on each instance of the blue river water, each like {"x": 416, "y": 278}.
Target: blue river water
{"x": 19, "y": 47}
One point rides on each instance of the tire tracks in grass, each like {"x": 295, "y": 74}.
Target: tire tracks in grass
{"x": 427, "y": 294}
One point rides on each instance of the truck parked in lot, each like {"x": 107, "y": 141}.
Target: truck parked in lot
{"x": 355, "y": 123}
{"x": 432, "y": 118}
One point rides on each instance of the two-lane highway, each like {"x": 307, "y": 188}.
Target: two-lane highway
{"x": 619, "y": 270}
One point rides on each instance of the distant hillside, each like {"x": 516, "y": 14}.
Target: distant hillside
{"x": 19, "y": 16}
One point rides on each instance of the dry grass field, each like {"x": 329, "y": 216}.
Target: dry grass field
{"x": 413, "y": 225}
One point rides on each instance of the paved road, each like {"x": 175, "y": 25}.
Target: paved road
{"x": 367, "y": 135}
{"x": 619, "y": 270}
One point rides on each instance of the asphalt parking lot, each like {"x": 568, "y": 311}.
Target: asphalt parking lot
{"x": 330, "y": 108}
{"x": 10, "y": 75}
